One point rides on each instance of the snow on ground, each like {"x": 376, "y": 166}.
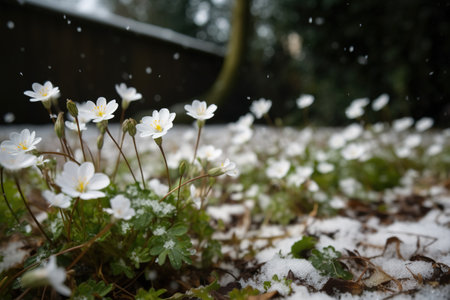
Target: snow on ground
{"x": 402, "y": 256}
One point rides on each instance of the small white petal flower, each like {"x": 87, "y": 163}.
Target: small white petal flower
{"x": 361, "y": 102}
{"x": 159, "y": 231}
{"x": 40, "y": 160}
{"x": 80, "y": 181}
{"x": 304, "y": 101}
{"x": 159, "y": 188}
{"x": 73, "y": 126}
{"x": 312, "y": 186}
{"x": 49, "y": 274}
{"x": 325, "y": 167}
{"x": 59, "y": 200}
{"x": 200, "y": 111}
{"x": 128, "y": 94}
{"x": 244, "y": 122}
{"x": 380, "y": 102}
{"x": 278, "y": 169}
{"x": 20, "y": 142}
{"x": 424, "y": 124}
{"x": 209, "y": 152}
{"x": 195, "y": 196}
{"x": 353, "y": 151}
{"x": 434, "y": 149}
{"x": 402, "y": 124}
{"x": 336, "y": 141}
{"x": 42, "y": 92}
{"x": 157, "y": 125}
{"x": 15, "y": 162}
{"x": 260, "y": 107}
{"x": 413, "y": 140}
{"x": 99, "y": 111}
{"x": 229, "y": 168}
{"x": 120, "y": 208}
{"x": 354, "y": 111}
{"x": 352, "y": 131}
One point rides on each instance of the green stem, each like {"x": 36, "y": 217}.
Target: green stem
{"x": 121, "y": 152}
{"x": 81, "y": 138}
{"x": 184, "y": 183}
{"x": 139, "y": 161}
{"x": 197, "y": 142}
{"x": 6, "y": 199}
{"x": 62, "y": 154}
{"x": 30, "y": 212}
{"x": 165, "y": 163}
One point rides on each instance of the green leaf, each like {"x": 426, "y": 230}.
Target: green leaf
{"x": 91, "y": 290}
{"x": 178, "y": 230}
{"x": 151, "y": 294}
{"x": 204, "y": 291}
{"x": 328, "y": 264}
{"x": 119, "y": 267}
{"x": 300, "y": 248}
{"x": 243, "y": 294}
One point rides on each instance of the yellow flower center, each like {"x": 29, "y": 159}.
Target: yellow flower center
{"x": 157, "y": 125}
{"x": 100, "y": 110}
{"x": 22, "y": 146}
{"x": 81, "y": 186}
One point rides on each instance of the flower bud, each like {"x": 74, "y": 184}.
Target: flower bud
{"x": 34, "y": 278}
{"x": 132, "y": 126}
{"x": 72, "y": 108}
{"x": 59, "y": 125}
{"x": 215, "y": 172}
{"x": 102, "y": 126}
{"x": 158, "y": 141}
{"x": 125, "y": 125}
{"x": 100, "y": 140}
{"x": 182, "y": 168}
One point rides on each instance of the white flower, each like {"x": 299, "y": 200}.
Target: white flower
{"x": 352, "y": 131}
{"x": 380, "y": 102}
{"x": 51, "y": 274}
{"x": 73, "y": 126}
{"x": 42, "y": 92}
{"x": 403, "y": 152}
{"x": 40, "y": 160}
{"x": 434, "y": 149}
{"x": 353, "y": 151}
{"x": 14, "y": 162}
{"x": 325, "y": 167}
{"x": 127, "y": 94}
{"x": 402, "y": 124}
{"x": 304, "y": 101}
{"x": 424, "y": 124}
{"x": 278, "y": 169}
{"x": 59, "y": 200}
{"x": 312, "y": 186}
{"x": 120, "y": 208}
{"x": 260, "y": 107}
{"x": 349, "y": 186}
{"x": 354, "y": 111}
{"x": 229, "y": 168}
{"x": 209, "y": 152}
{"x": 200, "y": 111}
{"x": 361, "y": 102}
{"x": 159, "y": 188}
{"x": 80, "y": 181}
{"x": 20, "y": 142}
{"x": 336, "y": 141}
{"x": 244, "y": 122}
{"x": 195, "y": 196}
{"x": 157, "y": 125}
{"x": 299, "y": 176}
{"x": 242, "y": 136}
{"x": 413, "y": 140}
{"x": 99, "y": 111}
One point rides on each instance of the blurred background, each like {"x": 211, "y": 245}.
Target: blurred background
{"x": 231, "y": 52}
